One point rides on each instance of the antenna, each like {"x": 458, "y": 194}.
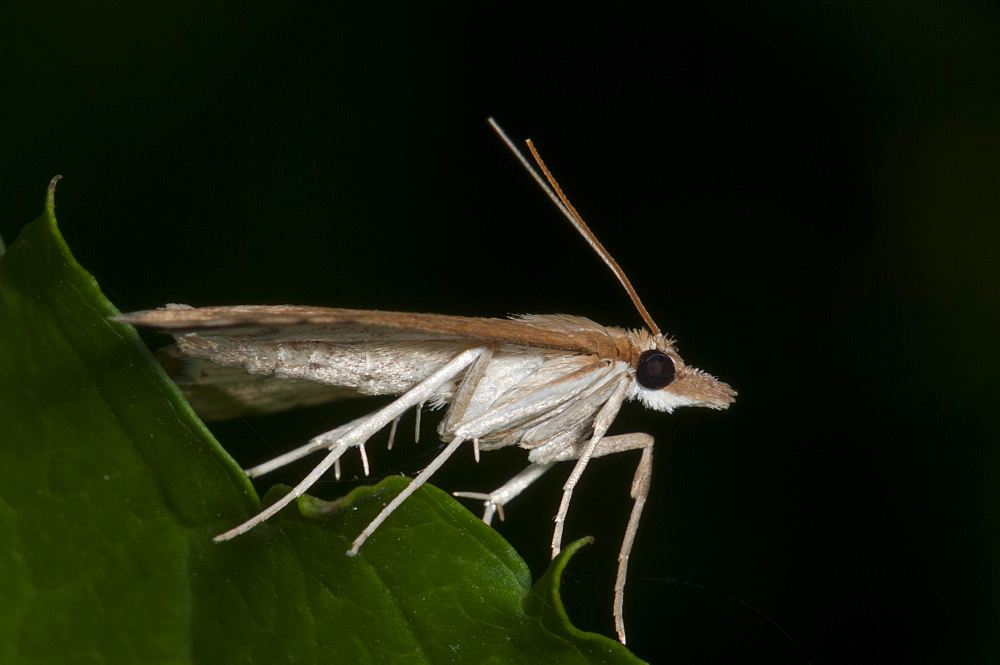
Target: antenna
{"x": 554, "y": 191}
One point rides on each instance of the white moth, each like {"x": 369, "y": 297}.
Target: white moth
{"x": 551, "y": 384}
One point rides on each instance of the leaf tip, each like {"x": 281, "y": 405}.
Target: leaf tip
{"x": 50, "y": 196}
{"x": 545, "y": 594}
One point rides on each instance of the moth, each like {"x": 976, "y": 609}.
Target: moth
{"x": 550, "y": 384}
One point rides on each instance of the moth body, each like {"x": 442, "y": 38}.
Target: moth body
{"x": 527, "y": 395}
{"x": 550, "y": 384}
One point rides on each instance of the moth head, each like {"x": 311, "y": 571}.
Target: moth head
{"x": 662, "y": 381}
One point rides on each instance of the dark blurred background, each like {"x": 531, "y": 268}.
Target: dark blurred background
{"x": 806, "y": 195}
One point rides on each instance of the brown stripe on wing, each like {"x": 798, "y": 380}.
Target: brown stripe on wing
{"x": 556, "y": 331}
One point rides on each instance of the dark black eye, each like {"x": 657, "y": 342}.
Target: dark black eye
{"x": 654, "y": 370}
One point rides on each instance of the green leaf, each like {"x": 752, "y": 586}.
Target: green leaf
{"x": 111, "y": 490}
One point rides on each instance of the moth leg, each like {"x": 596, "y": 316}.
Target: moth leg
{"x": 463, "y": 396}
{"x": 331, "y": 458}
{"x": 498, "y": 498}
{"x": 363, "y": 430}
{"x": 364, "y": 459}
{"x": 609, "y": 445}
{"x": 640, "y": 490}
{"x": 315, "y": 444}
{"x": 416, "y": 423}
{"x": 602, "y": 421}
{"x": 392, "y": 433}
{"x": 467, "y": 386}
{"x": 414, "y": 485}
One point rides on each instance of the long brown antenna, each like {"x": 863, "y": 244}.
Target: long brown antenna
{"x": 554, "y": 191}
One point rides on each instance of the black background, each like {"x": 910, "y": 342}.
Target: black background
{"x": 806, "y": 196}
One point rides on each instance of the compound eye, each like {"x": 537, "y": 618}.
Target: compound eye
{"x": 654, "y": 370}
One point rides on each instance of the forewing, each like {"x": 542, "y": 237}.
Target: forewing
{"x": 217, "y": 392}
{"x": 370, "y": 351}
{"x": 569, "y": 333}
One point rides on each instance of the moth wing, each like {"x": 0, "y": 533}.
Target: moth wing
{"x": 370, "y": 352}
{"x": 218, "y": 392}
{"x": 289, "y": 322}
